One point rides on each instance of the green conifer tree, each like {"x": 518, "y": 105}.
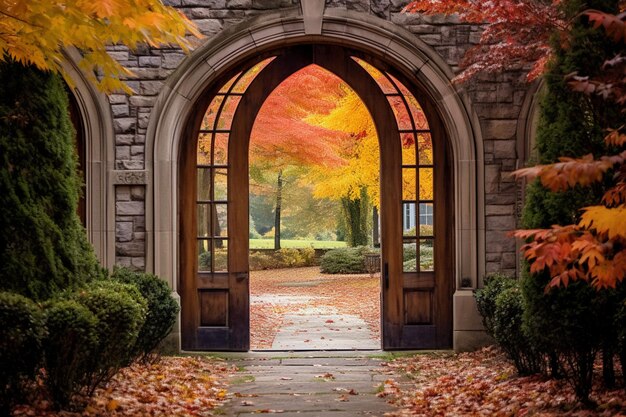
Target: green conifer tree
{"x": 566, "y": 321}
{"x": 43, "y": 246}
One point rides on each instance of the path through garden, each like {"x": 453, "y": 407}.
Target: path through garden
{"x": 302, "y": 309}
{"x": 339, "y": 384}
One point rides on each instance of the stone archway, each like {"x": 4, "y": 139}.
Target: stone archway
{"x": 381, "y": 39}
{"x": 96, "y": 123}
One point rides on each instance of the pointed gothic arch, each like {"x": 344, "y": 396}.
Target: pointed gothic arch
{"x": 380, "y": 40}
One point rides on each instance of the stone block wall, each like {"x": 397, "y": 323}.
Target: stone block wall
{"x": 497, "y": 101}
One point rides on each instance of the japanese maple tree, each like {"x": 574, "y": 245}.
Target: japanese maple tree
{"x": 594, "y": 249}
{"x": 516, "y": 32}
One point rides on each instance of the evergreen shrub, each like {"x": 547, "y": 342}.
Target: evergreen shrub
{"x": 486, "y": 297}
{"x": 566, "y": 322}
{"x": 69, "y": 348}
{"x": 509, "y": 334}
{"x": 501, "y": 306}
{"x": 22, "y": 331}
{"x": 282, "y": 258}
{"x": 161, "y": 313}
{"x": 43, "y": 245}
{"x": 121, "y": 313}
{"x": 344, "y": 260}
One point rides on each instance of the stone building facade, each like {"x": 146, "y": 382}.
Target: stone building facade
{"x": 132, "y": 140}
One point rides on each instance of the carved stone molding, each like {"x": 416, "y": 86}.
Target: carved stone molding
{"x": 130, "y": 177}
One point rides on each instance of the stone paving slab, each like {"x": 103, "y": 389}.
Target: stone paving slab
{"x": 316, "y": 329}
{"x": 362, "y": 387}
{"x": 302, "y": 386}
{"x": 315, "y": 413}
{"x": 322, "y": 403}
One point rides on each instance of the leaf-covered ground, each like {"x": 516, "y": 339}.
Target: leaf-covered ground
{"x": 484, "y": 383}
{"x": 355, "y": 294}
{"x": 174, "y": 386}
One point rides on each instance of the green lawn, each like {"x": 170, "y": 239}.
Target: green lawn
{"x": 292, "y": 243}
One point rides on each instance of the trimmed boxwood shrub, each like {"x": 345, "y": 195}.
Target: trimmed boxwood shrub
{"x": 344, "y": 260}
{"x": 509, "y": 334}
{"x": 121, "y": 312}
{"x": 21, "y": 333}
{"x": 282, "y": 258}
{"x": 162, "y": 308}
{"x": 494, "y": 285}
{"x": 69, "y": 348}
{"x": 501, "y": 305}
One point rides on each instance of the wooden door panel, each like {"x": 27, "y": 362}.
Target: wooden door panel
{"x": 418, "y": 307}
{"x": 213, "y": 308}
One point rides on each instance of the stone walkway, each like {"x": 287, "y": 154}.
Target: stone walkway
{"x": 323, "y": 328}
{"x": 334, "y": 384}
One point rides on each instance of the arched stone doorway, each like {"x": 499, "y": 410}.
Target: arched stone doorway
{"x": 416, "y": 300}
{"x": 390, "y": 47}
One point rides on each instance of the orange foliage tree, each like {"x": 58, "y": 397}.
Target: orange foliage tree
{"x": 516, "y": 32}
{"x": 37, "y": 32}
{"x": 284, "y": 146}
{"x": 594, "y": 249}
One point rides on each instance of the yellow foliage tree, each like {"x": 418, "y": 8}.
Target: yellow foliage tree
{"x": 361, "y": 169}
{"x": 361, "y": 156}
{"x": 37, "y": 32}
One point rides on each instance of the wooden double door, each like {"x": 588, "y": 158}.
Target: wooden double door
{"x": 415, "y": 237}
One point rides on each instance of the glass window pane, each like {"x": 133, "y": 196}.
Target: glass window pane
{"x": 409, "y": 256}
{"x": 419, "y": 118}
{"x": 204, "y": 255}
{"x": 204, "y": 149}
{"x": 414, "y": 106}
{"x": 427, "y": 255}
{"x": 409, "y": 184}
{"x": 230, "y": 82}
{"x": 220, "y": 152}
{"x": 425, "y": 148}
{"x": 250, "y": 75}
{"x": 204, "y": 220}
{"x": 220, "y": 220}
{"x": 204, "y": 184}
{"x": 408, "y": 148}
{"x": 220, "y": 183}
{"x": 426, "y": 183}
{"x": 403, "y": 90}
{"x": 426, "y": 220}
{"x": 382, "y": 81}
{"x": 228, "y": 112}
{"x": 408, "y": 219}
{"x": 208, "y": 121}
{"x": 402, "y": 116}
{"x": 221, "y": 255}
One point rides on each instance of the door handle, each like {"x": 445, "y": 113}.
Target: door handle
{"x": 386, "y": 275}
{"x": 240, "y": 276}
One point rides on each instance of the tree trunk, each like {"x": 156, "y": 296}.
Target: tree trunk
{"x": 279, "y": 202}
{"x": 608, "y": 367}
{"x": 375, "y": 230}
{"x": 355, "y": 213}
